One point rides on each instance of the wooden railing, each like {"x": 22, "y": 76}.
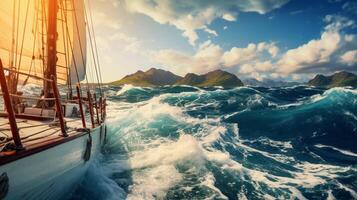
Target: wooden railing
{"x": 81, "y": 107}
{"x": 89, "y": 96}
{"x": 10, "y": 109}
{"x": 99, "y": 107}
{"x": 59, "y": 106}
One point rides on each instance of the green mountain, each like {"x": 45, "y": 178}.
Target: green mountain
{"x": 152, "y": 77}
{"x": 158, "y": 77}
{"x": 339, "y": 79}
{"x": 190, "y": 79}
{"x": 214, "y": 78}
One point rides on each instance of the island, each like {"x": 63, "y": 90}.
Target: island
{"x": 339, "y": 79}
{"x": 150, "y": 78}
{"x": 158, "y": 77}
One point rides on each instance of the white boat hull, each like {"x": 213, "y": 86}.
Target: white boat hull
{"x": 53, "y": 173}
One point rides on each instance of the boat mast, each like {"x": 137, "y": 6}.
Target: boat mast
{"x": 52, "y": 36}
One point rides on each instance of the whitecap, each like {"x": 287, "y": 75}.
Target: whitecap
{"x": 351, "y": 115}
{"x": 127, "y": 87}
{"x": 345, "y": 152}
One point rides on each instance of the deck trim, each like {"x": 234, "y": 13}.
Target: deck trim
{"x": 44, "y": 146}
{"x": 29, "y": 117}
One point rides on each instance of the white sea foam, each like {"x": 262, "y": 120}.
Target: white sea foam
{"x": 296, "y": 194}
{"x": 351, "y": 191}
{"x": 163, "y": 155}
{"x": 308, "y": 176}
{"x": 209, "y": 182}
{"x": 106, "y": 188}
{"x": 189, "y": 86}
{"x": 126, "y": 88}
{"x": 341, "y": 90}
{"x": 345, "y": 152}
{"x": 235, "y": 113}
{"x": 353, "y": 116}
{"x": 153, "y": 162}
{"x": 153, "y": 183}
{"x": 276, "y": 157}
{"x": 330, "y": 195}
{"x": 186, "y": 148}
{"x": 241, "y": 196}
{"x": 286, "y": 106}
{"x": 275, "y": 143}
{"x": 247, "y": 88}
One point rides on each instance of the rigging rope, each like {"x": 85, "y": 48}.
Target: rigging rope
{"x": 69, "y": 83}
{"x": 95, "y": 41}
{"x": 23, "y": 38}
{"x": 70, "y": 44}
{"x": 79, "y": 39}
{"x": 17, "y": 32}
{"x": 11, "y": 57}
{"x": 44, "y": 32}
{"x": 35, "y": 20}
{"x": 93, "y": 53}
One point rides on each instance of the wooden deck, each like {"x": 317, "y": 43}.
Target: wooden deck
{"x": 36, "y": 135}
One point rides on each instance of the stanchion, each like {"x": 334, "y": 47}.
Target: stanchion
{"x": 10, "y": 109}
{"x": 81, "y": 107}
{"x": 89, "y": 96}
{"x": 59, "y": 107}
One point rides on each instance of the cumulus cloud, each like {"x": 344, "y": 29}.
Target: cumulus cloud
{"x": 190, "y": 16}
{"x": 264, "y": 66}
{"x": 311, "y": 54}
{"x": 335, "y": 50}
{"x": 349, "y": 58}
{"x": 211, "y": 56}
{"x": 350, "y": 6}
{"x": 129, "y": 43}
{"x": 207, "y": 57}
{"x": 103, "y": 20}
{"x": 326, "y": 54}
{"x": 237, "y": 56}
{"x": 335, "y": 23}
{"x": 110, "y": 20}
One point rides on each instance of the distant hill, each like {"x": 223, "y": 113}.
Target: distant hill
{"x": 191, "y": 79}
{"x": 269, "y": 83}
{"x": 152, "y": 77}
{"x": 158, "y": 77}
{"x": 339, "y": 79}
{"x": 213, "y": 78}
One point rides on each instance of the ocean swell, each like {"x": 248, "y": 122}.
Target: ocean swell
{"x": 254, "y": 143}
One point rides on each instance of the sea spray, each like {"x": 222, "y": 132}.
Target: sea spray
{"x": 176, "y": 142}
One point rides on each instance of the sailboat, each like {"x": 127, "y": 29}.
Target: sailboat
{"x": 52, "y": 123}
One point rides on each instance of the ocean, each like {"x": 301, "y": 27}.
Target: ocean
{"x": 183, "y": 142}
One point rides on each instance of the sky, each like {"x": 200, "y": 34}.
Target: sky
{"x": 289, "y": 40}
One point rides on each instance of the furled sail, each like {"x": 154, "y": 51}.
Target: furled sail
{"x": 72, "y": 40}
{"x": 23, "y": 38}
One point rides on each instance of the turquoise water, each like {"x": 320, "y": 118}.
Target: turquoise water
{"x": 181, "y": 142}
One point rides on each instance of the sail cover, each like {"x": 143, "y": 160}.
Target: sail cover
{"x": 23, "y": 38}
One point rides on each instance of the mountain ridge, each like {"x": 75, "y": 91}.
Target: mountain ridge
{"x": 159, "y": 77}
{"x": 152, "y": 77}
{"x": 339, "y": 79}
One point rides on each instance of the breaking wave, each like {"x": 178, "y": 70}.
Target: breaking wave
{"x": 177, "y": 142}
